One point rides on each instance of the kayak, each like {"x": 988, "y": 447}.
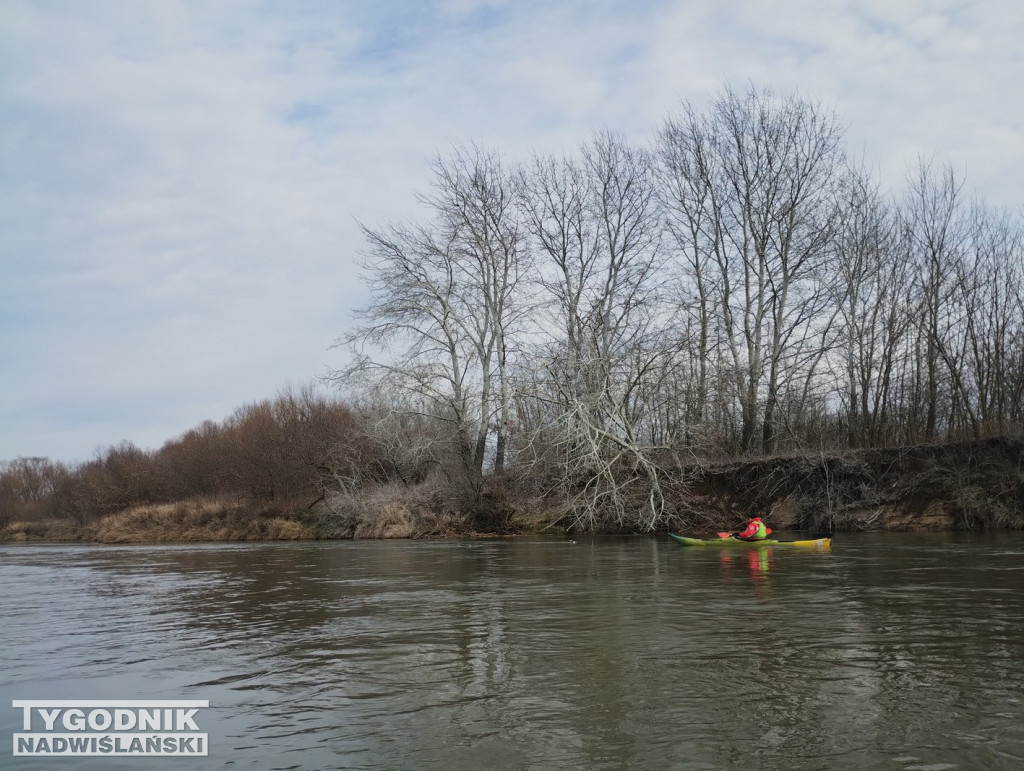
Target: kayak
{"x": 822, "y": 542}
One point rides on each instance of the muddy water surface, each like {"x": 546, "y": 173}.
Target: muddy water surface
{"x": 891, "y": 651}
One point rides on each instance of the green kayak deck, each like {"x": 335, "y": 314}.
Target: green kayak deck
{"x": 822, "y": 542}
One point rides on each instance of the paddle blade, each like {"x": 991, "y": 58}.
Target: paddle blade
{"x": 724, "y": 535}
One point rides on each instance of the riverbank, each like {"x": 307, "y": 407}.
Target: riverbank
{"x": 976, "y": 485}
{"x": 212, "y": 520}
{"x": 952, "y": 486}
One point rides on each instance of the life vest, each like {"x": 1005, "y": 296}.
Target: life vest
{"x": 755, "y": 530}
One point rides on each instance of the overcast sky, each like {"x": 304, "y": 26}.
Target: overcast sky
{"x": 181, "y": 181}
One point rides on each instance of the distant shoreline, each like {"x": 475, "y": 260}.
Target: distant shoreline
{"x": 965, "y": 486}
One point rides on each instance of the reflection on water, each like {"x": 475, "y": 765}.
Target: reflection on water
{"x": 757, "y": 560}
{"x": 888, "y": 652}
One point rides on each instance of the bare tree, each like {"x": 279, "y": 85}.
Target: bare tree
{"x": 754, "y": 216}
{"x": 689, "y": 206}
{"x": 595, "y": 222}
{"x": 985, "y": 325}
{"x": 935, "y": 227}
{"x": 446, "y": 305}
{"x": 27, "y": 487}
{"x": 870, "y": 286}
{"x": 477, "y": 199}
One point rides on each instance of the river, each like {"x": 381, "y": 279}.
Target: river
{"x": 891, "y": 651}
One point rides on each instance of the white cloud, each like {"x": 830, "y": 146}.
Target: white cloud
{"x": 180, "y": 181}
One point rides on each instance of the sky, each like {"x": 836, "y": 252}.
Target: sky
{"x": 182, "y": 183}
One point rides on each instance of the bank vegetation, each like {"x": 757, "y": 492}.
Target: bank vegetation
{"x": 732, "y": 317}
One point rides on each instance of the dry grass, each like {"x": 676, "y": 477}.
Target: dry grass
{"x": 387, "y": 511}
{"x": 56, "y": 530}
{"x": 398, "y": 511}
{"x": 192, "y": 521}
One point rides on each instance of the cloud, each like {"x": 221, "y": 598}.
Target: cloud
{"x": 180, "y": 182}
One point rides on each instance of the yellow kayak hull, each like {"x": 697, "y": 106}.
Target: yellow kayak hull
{"x": 823, "y": 542}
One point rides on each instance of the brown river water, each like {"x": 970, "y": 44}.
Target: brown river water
{"x": 890, "y": 651}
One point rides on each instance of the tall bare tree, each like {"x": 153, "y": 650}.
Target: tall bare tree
{"x": 595, "y": 222}
{"x": 984, "y": 327}
{"x": 754, "y": 215}
{"x": 870, "y": 286}
{"x": 446, "y": 305}
{"x": 934, "y": 219}
{"x": 477, "y": 199}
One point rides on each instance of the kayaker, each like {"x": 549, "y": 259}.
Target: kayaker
{"x": 755, "y": 530}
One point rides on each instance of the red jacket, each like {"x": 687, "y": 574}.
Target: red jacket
{"x": 752, "y": 527}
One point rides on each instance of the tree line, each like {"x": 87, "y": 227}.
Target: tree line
{"x": 281, "y": 450}
{"x": 738, "y": 285}
{"x": 588, "y": 325}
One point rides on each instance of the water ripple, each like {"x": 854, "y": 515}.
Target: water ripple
{"x": 887, "y": 652}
